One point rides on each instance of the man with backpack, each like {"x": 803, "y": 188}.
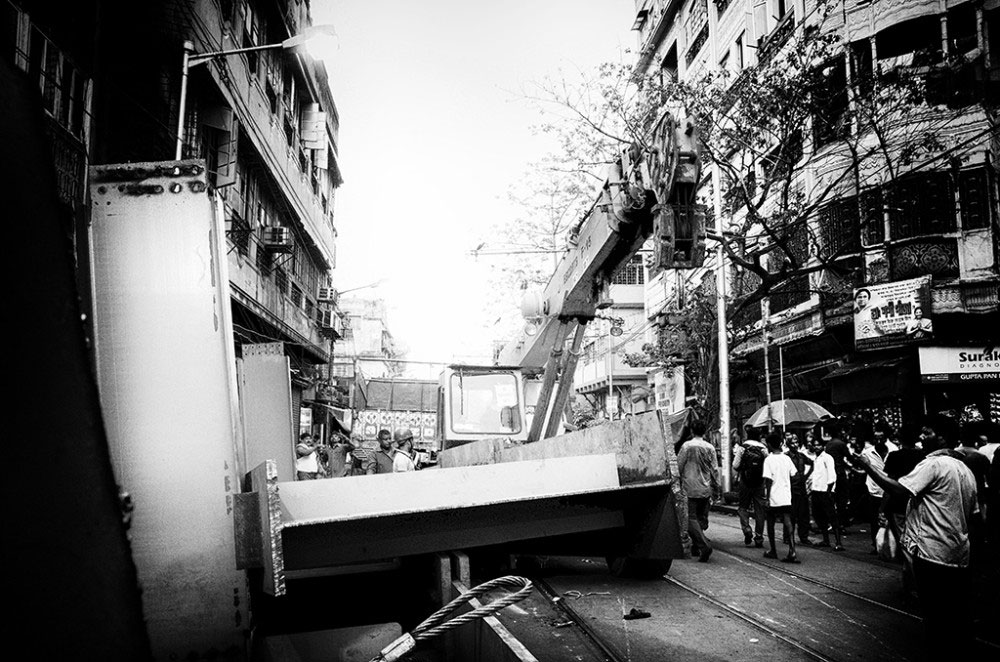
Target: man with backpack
{"x": 748, "y": 463}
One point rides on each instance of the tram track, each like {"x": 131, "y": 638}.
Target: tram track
{"x": 567, "y": 610}
{"x": 804, "y": 617}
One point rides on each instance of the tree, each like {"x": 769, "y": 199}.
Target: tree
{"x": 525, "y": 250}
{"x": 811, "y": 159}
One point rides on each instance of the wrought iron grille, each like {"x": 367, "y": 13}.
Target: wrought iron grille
{"x": 921, "y": 204}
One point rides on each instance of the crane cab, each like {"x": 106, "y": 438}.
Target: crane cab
{"x": 484, "y": 402}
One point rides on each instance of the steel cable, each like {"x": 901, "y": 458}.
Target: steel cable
{"x": 435, "y": 624}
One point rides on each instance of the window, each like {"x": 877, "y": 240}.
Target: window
{"x": 916, "y": 42}
{"x": 252, "y": 30}
{"x": 484, "y": 403}
{"x": 872, "y": 216}
{"x": 830, "y": 102}
{"x": 696, "y": 28}
{"x": 738, "y": 48}
{"x": 862, "y": 67}
{"x": 779, "y": 163}
{"x": 632, "y": 272}
{"x": 668, "y": 68}
{"x": 962, "y": 29}
{"x": 839, "y": 225}
{"x": 974, "y": 197}
{"x": 921, "y": 204}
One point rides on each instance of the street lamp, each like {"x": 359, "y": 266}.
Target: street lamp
{"x": 192, "y": 59}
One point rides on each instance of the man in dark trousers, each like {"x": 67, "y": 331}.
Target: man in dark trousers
{"x": 699, "y": 470}
{"x": 748, "y": 463}
{"x": 836, "y": 448}
{"x": 800, "y": 496}
{"x": 943, "y": 505}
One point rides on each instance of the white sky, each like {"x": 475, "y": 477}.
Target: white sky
{"x": 433, "y": 131}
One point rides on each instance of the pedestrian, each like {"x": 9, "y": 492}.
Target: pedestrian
{"x": 362, "y": 457}
{"x": 778, "y": 472}
{"x": 943, "y": 505}
{"x": 748, "y": 463}
{"x": 979, "y": 465}
{"x": 403, "y": 459}
{"x": 800, "y": 496}
{"x": 822, "y": 485}
{"x": 991, "y": 439}
{"x": 875, "y": 451}
{"x": 385, "y": 453}
{"x": 699, "y": 472}
{"x": 898, "y": 463}
{"x": 340, "y": 461}
{"x": 306, "y": 458}
{"x": 858, "y": 491}
{"x": 836, "y": 447}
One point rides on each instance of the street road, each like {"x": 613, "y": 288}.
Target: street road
{"x": 738, "y": 606}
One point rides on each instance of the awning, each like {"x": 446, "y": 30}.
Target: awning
{"x": 341, "y": 417}
{"x": 869, "y": 380}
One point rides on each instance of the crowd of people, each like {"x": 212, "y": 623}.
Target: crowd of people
{"x": 346, "y": 456}
{"x": 928, "y": 497}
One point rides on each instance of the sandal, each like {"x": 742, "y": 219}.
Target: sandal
{"x": 770, "y": 555}
{"x": 791, "y": 559}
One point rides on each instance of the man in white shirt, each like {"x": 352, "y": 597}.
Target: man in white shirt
{"x": 822, "y": 484}
{"x": 306, "y": 458}
{"x": 778, "y": 472}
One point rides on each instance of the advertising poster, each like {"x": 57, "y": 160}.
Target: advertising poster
{"x": 668, "y": 385}
{"x": 893, "y": 314}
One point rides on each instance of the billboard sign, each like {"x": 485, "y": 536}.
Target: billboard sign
{"x": 959, "y": 365}
{"x": 892, "y": 314}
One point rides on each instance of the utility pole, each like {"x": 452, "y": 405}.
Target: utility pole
{"x": 611, "y": 369}
{"x": 723, "y": 339}
{"x": 765, "y": 311}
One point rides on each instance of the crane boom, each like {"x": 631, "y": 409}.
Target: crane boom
{"x": 642, "y": 185}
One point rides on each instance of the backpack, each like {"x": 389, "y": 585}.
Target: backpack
{"x": 752, "y": 466}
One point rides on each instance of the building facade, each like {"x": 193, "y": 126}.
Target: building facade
{"x": 263, "y": 121}
{"x": 603, "y": 377}
{"x": 921, "y": 239}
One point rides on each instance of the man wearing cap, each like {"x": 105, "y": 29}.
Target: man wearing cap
{"x": 403, "y": 460}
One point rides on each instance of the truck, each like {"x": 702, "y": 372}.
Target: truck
{"x": 230, "y": 556}
{"x": 392, "y": 403}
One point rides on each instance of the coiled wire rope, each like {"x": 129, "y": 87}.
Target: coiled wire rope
{"x": 435, "y": 624}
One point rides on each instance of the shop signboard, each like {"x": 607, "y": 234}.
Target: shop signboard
{"x": 960, "y": 365}
{"x": 892, "y": 314}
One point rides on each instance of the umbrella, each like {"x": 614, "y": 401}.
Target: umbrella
{"x": 788, "y": 413}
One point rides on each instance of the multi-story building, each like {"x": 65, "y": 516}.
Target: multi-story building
{"x": 263, "y": 121}
{"x": 603, "y": 377}
{"x": 922, "y": 236}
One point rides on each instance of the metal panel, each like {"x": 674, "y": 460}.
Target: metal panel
{"x": 266, "y": 394}
{"x": 380, "y": 495}
{"x": 164, "y": 363}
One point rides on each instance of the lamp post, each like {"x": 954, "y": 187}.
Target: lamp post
{"x": 192, "y": 59}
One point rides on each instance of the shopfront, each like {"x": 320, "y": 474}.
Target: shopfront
{"x": 961, "y": 379}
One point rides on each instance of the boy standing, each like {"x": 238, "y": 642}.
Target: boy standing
{"x": 778, "y": 472}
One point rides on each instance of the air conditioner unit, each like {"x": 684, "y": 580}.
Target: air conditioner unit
{"x": 326, "y": 318}
{"x": 278, "y": 239}
{"x": 327, "y": 295}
